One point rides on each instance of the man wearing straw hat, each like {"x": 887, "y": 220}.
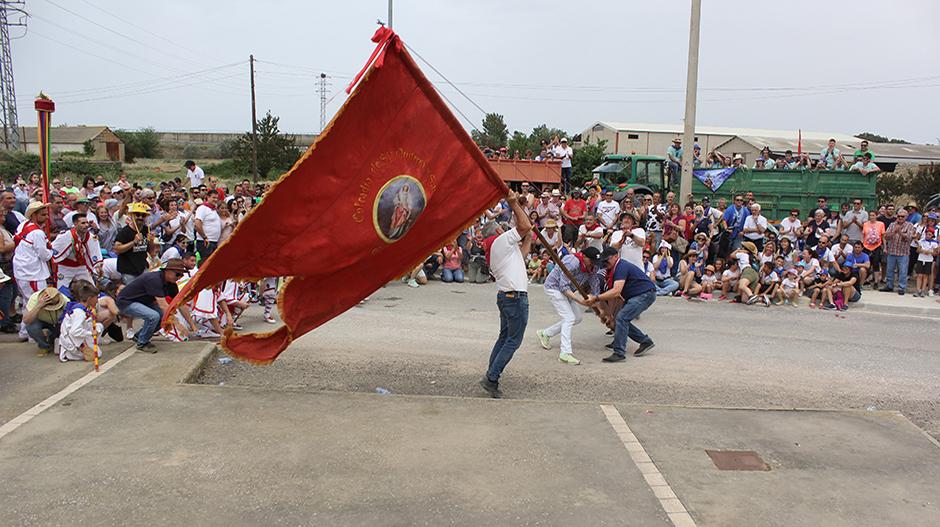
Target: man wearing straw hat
{"x": 44, "y": 308}
{"x": 32, "y": 254}
{"x": 131, "y": 243}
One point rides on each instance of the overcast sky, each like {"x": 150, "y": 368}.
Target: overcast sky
{"x": 840, "y": 66}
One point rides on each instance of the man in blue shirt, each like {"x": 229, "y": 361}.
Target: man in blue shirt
{"x": 858, "y": 262}
{"x": 638, "y": 292}
{"x": 733, "y": 220}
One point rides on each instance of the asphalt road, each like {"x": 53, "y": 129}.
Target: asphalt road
{"x": 435, "y": 341}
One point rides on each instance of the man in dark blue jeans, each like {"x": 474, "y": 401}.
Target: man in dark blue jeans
{"x": 638, "y": 293}
{"x": 504, "y": 255}
{"x": 146, "y": 298}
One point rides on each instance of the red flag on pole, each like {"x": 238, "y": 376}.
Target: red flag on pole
{"x": 799, "y": 142}
{"x": 392, "y": 178}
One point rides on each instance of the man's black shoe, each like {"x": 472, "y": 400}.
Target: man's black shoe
{"x": 147, "y": 348}
{"x": 614, "y": 358}
{"x": 644, "y": 347}
{"x": 491, "y": 388}
{"x": 609, "y": 332}
{"x": 901, "y": 292}
{"x": 9, "y": 329}
{"x": 885, "y": 289}
{"x": 609, "y": 346}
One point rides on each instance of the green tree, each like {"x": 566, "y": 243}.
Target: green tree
{"x": 494, "y": 132}
{"x": 924, "y": 183}
{"x": 586, "y": 158}
{"x": 875, "y": 138}
{"x": 143, "y": 143}
{"x": 518, "y": 142}
{"x": 889, "y": 186}
{"x": 88, "y": 148}
{"x": 543, "y": 133}
{"x": 276, "y": 151}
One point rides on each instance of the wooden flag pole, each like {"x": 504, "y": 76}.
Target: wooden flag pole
{"x": 94, "y": 333}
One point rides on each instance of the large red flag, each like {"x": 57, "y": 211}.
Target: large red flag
{"x": 391, "y": 179}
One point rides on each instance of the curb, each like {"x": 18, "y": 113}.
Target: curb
{"x": 898, "y": 310}
{"x": 204, "y": 356}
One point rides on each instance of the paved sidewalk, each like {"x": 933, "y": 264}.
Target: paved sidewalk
{"x": 135, "y": 446}
{"x": 893, "y": 303}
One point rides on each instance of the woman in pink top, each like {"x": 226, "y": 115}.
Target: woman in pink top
{"x": 453, "y": 260}
{"x": 873, "y": 232}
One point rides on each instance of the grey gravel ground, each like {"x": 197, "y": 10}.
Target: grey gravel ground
{"x": 435, "y": 341}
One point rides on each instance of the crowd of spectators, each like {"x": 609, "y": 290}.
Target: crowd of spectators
{"x": 699, "y": 250}
{"x": 99, "y": 256}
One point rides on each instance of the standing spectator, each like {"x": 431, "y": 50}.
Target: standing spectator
{"x": 733, "y": 224}
{"x": 853, "y": 220}
{"x": 10, "y": 217}
{"x": 913, "y": 215}
{"x": 505, "y": 256}
{"x": 927, "y": 250}
{"x": 32, "y": 254}
{"x": 755, "y": 225}
{"x": 898, "y": 239}
{"x": 654, "y": 218}
{"x": 194, "y": 173}
{"x": 872, "y": 238}
{"x": 208, "y": 226}
{"x": 630, "y": 239}
{"x": 674, "y": 157}
{"x": 863, "y": 149}
{"x": 608, "y": 211}
{"x": 829, "y": 155}
{"x": 131, "y": 243}
{"x": 7, "y": 285}
{"x": 107, "y": 229}
{"x": 546, "y": 209}
{"x": 572, "y": 213}
{"x": 145, "y": 298}
{"x": 565, "y": 153}
{"x": 591, "y": 234}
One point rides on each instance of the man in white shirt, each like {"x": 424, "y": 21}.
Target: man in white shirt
{"x": 194, "y": 173}
{"x": 591, "y": 234}
{"x": 755, "y": 226}
{"x": 81, "y": 206}
{"x": 608, "y": 211}
{"x": 853, "y": 220}
{"x": 630, "y": 240}
{"x": 32, "y": 254}
{"x": 77, "y": 253}
{"x": 791, "y": 227}
{"x": 565, "y": 153}
{"x": 208, "y": 226}
{"x": 507, "y": 263}
{"x": 865, "y": 165}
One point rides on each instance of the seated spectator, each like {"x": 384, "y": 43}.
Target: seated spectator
{"x": 432, "y": 264}
{"x": 865, "y": 166}
{"x": 453, "y": 260}
{"x": 43, "y": 311}
{"x": 729, "y": 278}
{"x": 768, "y": 281}
{"x": 479, "y": 272}
{"x": 690, "y": 274}
{"x": 146, "y": 298}
{"x": 746, "y": 257}
{"x": 662, "y": 267}
{"x": 818, "y": 287}
{"x": 789, "y": 290}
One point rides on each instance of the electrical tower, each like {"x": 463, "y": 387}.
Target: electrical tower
{"x": 9, "y": 121}
{"x": 322, "y": 87}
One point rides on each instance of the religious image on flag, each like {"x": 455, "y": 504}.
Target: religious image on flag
{"x": 713, "y": 178}
{"x": 392, "y": 179}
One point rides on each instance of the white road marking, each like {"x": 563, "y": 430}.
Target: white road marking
{"x": 667, "y": 497}
{"x": 28, "y": 415}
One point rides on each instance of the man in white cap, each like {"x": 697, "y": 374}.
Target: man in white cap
{"x": 565, "y": 153}
{"x": 76, "y": 252}
{"x": 32, "y": 254}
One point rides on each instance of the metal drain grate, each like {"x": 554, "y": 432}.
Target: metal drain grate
{"x": 737, "y": 460}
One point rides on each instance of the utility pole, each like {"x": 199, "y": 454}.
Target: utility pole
{"x": 322, "y": 87}
{"x": 254, "y": 124}
{"x": 691, "y": 91}
{"x": 390, "y": 14}
{"x": 8, "y": 119}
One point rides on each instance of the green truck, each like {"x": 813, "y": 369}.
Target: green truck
{"x": 778, "y": 191}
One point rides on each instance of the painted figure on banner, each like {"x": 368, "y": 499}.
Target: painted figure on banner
{"x": 398, "y": 206}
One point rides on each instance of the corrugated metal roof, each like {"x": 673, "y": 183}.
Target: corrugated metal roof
{"x": 886, "y": 152}
{"x": 722, "y": 130}
{"x": 69, "y": 135}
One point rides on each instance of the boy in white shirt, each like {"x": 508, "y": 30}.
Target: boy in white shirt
{"x": 789, "y": 290}
{"x": 76, "y": 333}
{"x": 927, "y": 249}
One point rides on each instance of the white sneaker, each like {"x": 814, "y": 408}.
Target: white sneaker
{"x": 270, "y": 320}
{"x": 208, "y": 334}
{"x": 130, "y": 333}
{"x": 930, "y": 293}
{"x": 413, "y": 283}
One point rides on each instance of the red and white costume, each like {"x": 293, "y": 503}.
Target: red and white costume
{"x": 76, "y": 333}
{"x": 76, "y": 257}
{"x": 30, "y": 261}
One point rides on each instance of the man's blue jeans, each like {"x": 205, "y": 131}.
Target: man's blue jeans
{"x": 899, "y": 264}
{"x": 37, "y": 331}
{"x": 625, "y": 328}
{"x": 666, "y": 286}
{"x": 513, "y": 317}
{"x": 150, "y": 314}
{"x": 452, "y": 275}
{"x": 7, "y": 294}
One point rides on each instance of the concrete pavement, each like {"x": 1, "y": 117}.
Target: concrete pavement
{"x": 137, "y": 447}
